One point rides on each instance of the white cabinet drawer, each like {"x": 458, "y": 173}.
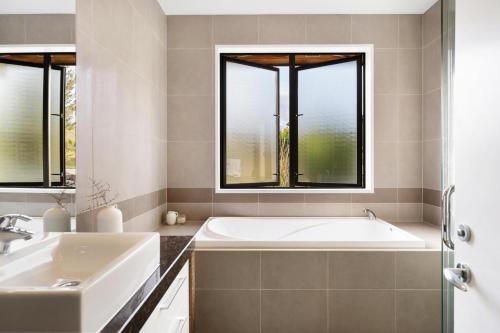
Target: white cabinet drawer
{"x": 171, "y": 315}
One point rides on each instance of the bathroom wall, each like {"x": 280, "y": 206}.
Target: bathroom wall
{"x": 35, "y": 29}
{"x": 431, "y": 48}
{"x": 398, "y": 112}
{"x": 121, "y": 103}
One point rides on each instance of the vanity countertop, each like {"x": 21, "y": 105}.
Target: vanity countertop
{"x": 174, "y": 252}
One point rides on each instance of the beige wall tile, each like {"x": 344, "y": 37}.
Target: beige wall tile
{"x": 432, "y": 66}
{"x": 410, "y": 118}
{"x": 409, "y": 195}
{"x": 432, "y": 115}
{"x": 381, "y": 30}
{"x": 418, "y": 270}
{"x": 282, "y": 29}
{"x": 386, "y": 118}
{"x": 190, "y": 118}
{"x": 324, "y": 29}
{"x": 410, "y": 71}
{"x": 380, "y": 195}
{"x": 385, "y": 164}
{"x": 190, "y": 164}
{"x": 281, "y": 209}
{"x": 12, "y": 29}
{"x": 432, "y": 197}
{"x": 361, "y": 270}
{"x": 189, "y": 194}
{"x": 361, "y": 311}
{"x": 425, "y": 303}
{"x": 189, "y": 31}
{"x": 50, "y": 29}
{"x": 410, "y": 31}
{"x": 235, "y": 209}
{"x": 385, "y": 71}
{"x": 410, "y": 164}
{"x": 385, "y": 211}
{"x": 410, "y": 212}
{"x": 432, "y": 164}
{"x": 327, "y": 209}
{"x": 324, "y": 198}
{"x": 236, "y": 197}
{"x": 432, "y": 214}
{"x": 291, "y": 311}
{"x": 193, "y": 211}
{"x": 236, "y": 29}
{"x": 294, "y": 270}
{"x": 281, "y": 197}
{"x": 227, "y": 270}
{"x": 431, "y": 22}
{"x": 189, "y": 72}
{"x": 227, "y": 311}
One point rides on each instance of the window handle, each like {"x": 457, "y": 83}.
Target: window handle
{"x": 300, "y": 114}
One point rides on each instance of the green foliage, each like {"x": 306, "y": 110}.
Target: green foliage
{"x": 70, "y": 120}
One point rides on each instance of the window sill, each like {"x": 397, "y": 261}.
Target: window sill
{"x": 295, "y": 190}
{"x": 36, "y": 190}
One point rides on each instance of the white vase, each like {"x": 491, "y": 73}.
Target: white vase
{"x": 56, "y": 219}
{"x": 109, "y": 219}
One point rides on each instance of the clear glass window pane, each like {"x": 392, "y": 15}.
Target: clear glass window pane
{"x": 327, "y": 128}
{"x": 251, "y": 131}
{"x": 21, "y": 113}
{"x": 70, "y": 125}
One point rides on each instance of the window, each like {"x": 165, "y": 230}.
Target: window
{"x": 37, "y": 120}
{"x": 294, "y": 119}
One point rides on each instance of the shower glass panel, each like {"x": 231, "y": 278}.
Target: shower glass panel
{"x": 447, "y": 165}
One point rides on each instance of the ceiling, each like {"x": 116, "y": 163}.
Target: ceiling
{"x": 214, "y": 7}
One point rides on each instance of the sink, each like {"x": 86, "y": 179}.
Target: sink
{"x": 73, "y": 281}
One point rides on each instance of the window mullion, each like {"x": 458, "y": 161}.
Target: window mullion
{"x": 46, "y": 121}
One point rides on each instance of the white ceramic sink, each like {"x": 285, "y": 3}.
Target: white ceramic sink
{"x": 73, "y": 281}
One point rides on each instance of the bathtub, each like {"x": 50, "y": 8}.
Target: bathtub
{"x": 303, "y": 232}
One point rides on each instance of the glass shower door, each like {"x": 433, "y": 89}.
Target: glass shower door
{"x": 447, "y": 149}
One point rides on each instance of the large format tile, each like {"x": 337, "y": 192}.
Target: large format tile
{"x": 410, "y": 71}
{"x": 381, "y": 30}
{"x": 235, "y": 209}
{"x": 385, "y": 71}
{"x": 431, "y": 22}
{"x": 189, "y": 72}
{"x": 190, "y": 164}
{"x": 361, "y": 311}
{"x": 190, "y": 118}
{"x": 293, "y": 311}
{"x": 282, "y": 29}
{"x": 50, "y": 29}
{"x": 432, "y": 115}
{"x": 294, "y": 270}
{"x": 418, "y": 270}
{"x": 410, "y": 164}
{"x": 432, "y": 66}
{"x": 386, "y": 118}
{"x": 410, "y": 118}
{"x": 328, "y": 29}
{"x": 227, "y": 270}
{"x": 410, "y": 31}
{"x": 418, "y": 311}
{"x": 12, "y": 29}
{"x": 432, "y": 165}
{"x": 361, "y": 270}
{"x": 189, "y": 31}
{"x": 236, "y": 29}
{"x": 385, "y": 164}
{"x": 220, "y": 311}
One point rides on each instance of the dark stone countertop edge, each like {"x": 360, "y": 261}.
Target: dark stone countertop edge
{"x": 174, "y": 253}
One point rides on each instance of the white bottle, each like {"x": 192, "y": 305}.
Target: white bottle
{"x": 56, "y": 219}
{"x": 109, "y": 219}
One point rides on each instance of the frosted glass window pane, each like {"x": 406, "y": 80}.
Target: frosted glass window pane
{"x": 327, "y": 132}
{"x": 55, "y": 126}
{"x": 251, "y": 134}
{"x": 21, "y": 112}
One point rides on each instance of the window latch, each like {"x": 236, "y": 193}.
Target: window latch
{"x": 300, "y": 114}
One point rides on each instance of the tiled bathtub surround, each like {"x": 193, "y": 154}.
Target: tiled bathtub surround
{"x": 37, "y": 29}
{"x": 121, "y": 103}
{"x": 392, "y": 204}
{"x": 398, "y": 111}
{"x": 431, "y": 134}
{"x": 33, "y": 204}
{"x": 317, "y": 291}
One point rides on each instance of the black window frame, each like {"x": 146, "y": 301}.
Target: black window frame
{"x": 47, "y": 66}
{"x": 294, "y": 115}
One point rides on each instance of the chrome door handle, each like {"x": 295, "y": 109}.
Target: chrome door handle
{"x": 458, "y": 276}
{"x": 446, "y": 217}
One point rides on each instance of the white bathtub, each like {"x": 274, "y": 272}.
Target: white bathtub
{"x": 303, "y": 232}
